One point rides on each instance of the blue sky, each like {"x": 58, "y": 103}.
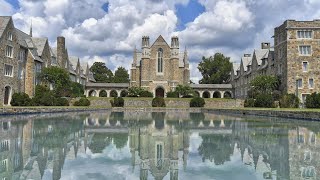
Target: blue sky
{"x": 108, "y": 30}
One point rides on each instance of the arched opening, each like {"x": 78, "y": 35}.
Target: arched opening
{"x": 227, "y": 95}
{"x": 102, "y": 122}
{"x": 206, "y": 94}
{"x": 91, "y": 122}
{"x": 113, "y": 93}
{"x": 7, "y": 95}
{"x": 197, "y": 94}
{"x": 92, "y": 93}
{"x": 159, "y": 92}
{"x": 217, "y": 94}
{"x": 124, "y": 93}
{"x": 103, "y": 93}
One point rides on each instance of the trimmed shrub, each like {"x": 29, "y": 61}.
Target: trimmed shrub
{"x": 264, "y": 100}
{"x": 62, "y": 102}
{"x": 117, "y": 102}
{"x": 82, "y": 102}
{"x": 197, "y": 102}
{"x": 249, "y": 102}
{"x": 146, "y": 94}
{"x": 20, "y": 99}
{"x": 289, "y": 101}
{"x": 124, "y": 94}
{"x": 158, "y": 102}
{"x": 172, "y": 94}
{"x": 313, "y": 101}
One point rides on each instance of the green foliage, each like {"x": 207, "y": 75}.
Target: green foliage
{"x": 77, "y": 89}
{"x": 184, "y": 90}
{"x": 134, "y": 91}
{"x": 146, "y": 94}
{"x": 103, "y": 94}
{"x": 172, "y": 94}
{"x": 124, "y": 94}
{"x": 101, "y": 73}
{"x": 313, "y": 101}
{"x": 117, "y": 102}
{"x": 265, "y": 84}
{"x": 215, "y": 70}
{"x": 20, "y": 99}
{"x": 289, "y": 101}
{"x": 264, "y": 100}
{"x": 249, "y": 102}
{"x": 61, "y": 102}
{"x": 121, "y": 75}
{"x": 113, "y": 93}
{"x": 197, "y": 102}
{"x": 158, "y": 102}
{"x": 59, "y": 78}
{"x": 82, "y": 102}
{"x": 44, "y": 97}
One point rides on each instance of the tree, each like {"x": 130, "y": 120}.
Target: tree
{"x": 121, "y": 75}
{"x": 265, "y": 84}
{"x": 184, "y": 90}
{"x": 101, "y": 73}
{"x": 215, "y": 70}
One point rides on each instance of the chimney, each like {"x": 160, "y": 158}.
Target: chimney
{"x": 61, "y": 48}
{"x": 265, "y": 45}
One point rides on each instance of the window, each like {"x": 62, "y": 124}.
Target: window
{"x": 9, "y": 34}
{"x": 308, "y": 172}
{"x": 22, "y": 55}
{"x": 304, "y": 34}
{"x": 9, "y": 51}
{"x": 305, "y": 50}
{"x": 307, "y": 156}
{"x": 37, "y": 70}
{"x": 305, "y": 66}
{"x": 299, "y": 83}
{"x": 311, "y": 84}
{"x": 301, "y": 138}
{"x": 4, "y": 145}
{"x": 159, "y": 155}
{"x": 8, "y": 70}
{"x": 160, "y": 61}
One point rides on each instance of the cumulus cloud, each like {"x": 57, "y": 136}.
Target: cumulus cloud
{"x": 5, "y": 8}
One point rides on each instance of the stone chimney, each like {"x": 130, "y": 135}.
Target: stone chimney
{"x": 265, "y": 45}
{"x": 61, "y": 48}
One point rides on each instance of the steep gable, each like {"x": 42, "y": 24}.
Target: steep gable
{"x": 160, "y": 42}
{"x": 4, "y": 21}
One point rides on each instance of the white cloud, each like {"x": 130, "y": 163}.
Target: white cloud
{"x": 5, "y": 8}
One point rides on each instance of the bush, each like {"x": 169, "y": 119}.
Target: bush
{"x": 117, "y": 102}
{"x": 146, "y": 94}
{"x": 20, "y": 99}
{"x": 264, "y": 100}
{"x": 276, "y": 95}
{"x": 77, "y": 89}
{"x": 158, "y": 102}
{"x": 188, "y": 96}
{"x": 62, "y": 102}
{"x": 313, "y": 101}
{"x": 172, "y": 94}
{"x": 249, "y": 102}
{"x": 197, "y": 102}
{"x": 82, "y": 102}
{"x": 289, "y": 101}
{"x": 134, "y": 91}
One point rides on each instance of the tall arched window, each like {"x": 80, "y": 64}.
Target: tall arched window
{"x": 160, "y": 60}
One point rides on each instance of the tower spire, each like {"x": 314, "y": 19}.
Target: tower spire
{"x": 31, "y": 29}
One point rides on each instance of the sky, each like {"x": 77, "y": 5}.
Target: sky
{"x": 109, "y": 30}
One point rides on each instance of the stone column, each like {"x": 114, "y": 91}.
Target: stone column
{"x": 97, "y": 93}
{"x": 118, "y": 92}
{"x": 201, "y": 94}
{"x": 222, "y": 94}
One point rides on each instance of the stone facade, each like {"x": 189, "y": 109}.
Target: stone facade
{"x": 160, "y": 66}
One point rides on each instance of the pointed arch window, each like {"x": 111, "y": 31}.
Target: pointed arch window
{"x": 160, "y": 60}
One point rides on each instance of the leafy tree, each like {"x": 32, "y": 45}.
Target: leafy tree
{"x": 184, "y": 90}
{"x": 77, "y": 89}
{"x": 265, "y": 84}
{"x": 215, "y": 70}
{"x": 59, "y": 78}
{"x": 101, "y": 73}
{"x": 121, "y": 75}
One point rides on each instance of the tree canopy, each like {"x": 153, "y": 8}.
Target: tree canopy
{"x": 215, "y": 70}
{"x": 265, "y": 84}
{"x": 101, "y": 72}
{"x": 121, "y": 75}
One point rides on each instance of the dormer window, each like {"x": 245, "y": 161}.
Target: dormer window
{"x": 9, "y": 36}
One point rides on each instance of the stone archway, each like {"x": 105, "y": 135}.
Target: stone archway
{"x": 92, "y": 93}
{"x": 160, "y": 92}
{"x": 113, "y": 93}
{"x": 103, "y": 93}
{"x": 216, "y": 94}
{"x": 197, "y": 93}
{"x": 124, "y": 93}
{"x": 227, "y": 95}
{"x": 206, "y": 94}
{"x": 7, "y": 95}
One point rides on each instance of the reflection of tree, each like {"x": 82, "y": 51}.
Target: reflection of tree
{"x": 196, "y": 118}
{"x": 216, "y": 147}
{"x": 120, "y": 140}
{"x": 99, "y": 142}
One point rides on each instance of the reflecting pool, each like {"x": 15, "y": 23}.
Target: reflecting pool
{"x": 157, "y": 145}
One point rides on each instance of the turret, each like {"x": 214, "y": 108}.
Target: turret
{"x": 175, "y": 47}
{"x": 145, "y": 47}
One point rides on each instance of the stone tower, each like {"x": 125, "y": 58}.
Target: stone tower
{"x": 61, "y": 51}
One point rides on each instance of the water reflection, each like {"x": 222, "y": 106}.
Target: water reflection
{"x": 158, "y": 145}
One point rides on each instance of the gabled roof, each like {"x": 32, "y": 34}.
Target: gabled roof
{"x": 160, "y": 39}
{"x": 245, "y": 62}
{"x": 23, "y": 38}
{"x": 4, "y": 21}
{"x": 236, "y": 67}
{"x": 73, "y": 61}
{"x": 260, "y": 53}
{"x": 39, "y": 43}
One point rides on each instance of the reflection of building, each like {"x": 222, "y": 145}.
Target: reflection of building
{"x": 304, "y": 154}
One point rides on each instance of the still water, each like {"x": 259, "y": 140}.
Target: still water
{"x": 158, "y": 145}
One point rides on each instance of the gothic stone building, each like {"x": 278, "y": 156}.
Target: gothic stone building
{"x": 159, "y": 68}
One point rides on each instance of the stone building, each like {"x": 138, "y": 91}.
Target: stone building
{"x": 159, "y": 67}
{"x": 294, "y": 58}
{"x": 22, "y": 58}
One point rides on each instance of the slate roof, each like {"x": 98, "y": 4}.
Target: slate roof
{"x": 260, "y": 54}
{"x": 23, "y": 38}
{"x": 246, "y": 61}
{"x": 4, "y": 21}
{"x": 39, "y": 43}
{"x": 73, "y": 61}
{"x": 236, "y": 67}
